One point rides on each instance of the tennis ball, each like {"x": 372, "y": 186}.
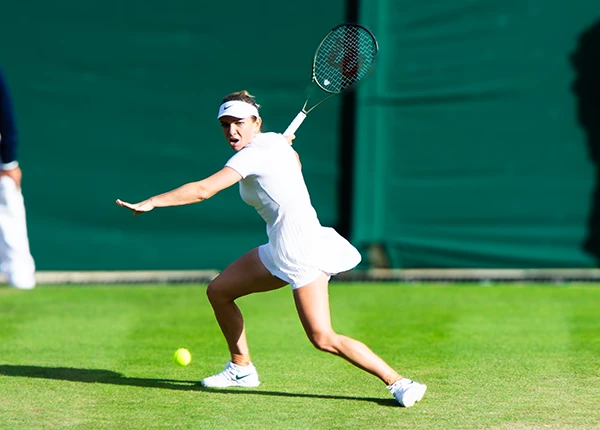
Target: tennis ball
{"x": 182, "y": 357}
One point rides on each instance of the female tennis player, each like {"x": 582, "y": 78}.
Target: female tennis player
{"x": 300, "y": 252}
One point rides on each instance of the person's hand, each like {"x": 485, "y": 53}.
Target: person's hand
{"x": 15, "y": 174}
{"x": 137, "y": 208}
{"x": 290, "y": 138}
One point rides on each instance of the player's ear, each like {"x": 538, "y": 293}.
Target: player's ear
{"x": 258, "y": 124}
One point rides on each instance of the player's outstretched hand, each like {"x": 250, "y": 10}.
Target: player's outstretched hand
{"x": 137, "y": 208}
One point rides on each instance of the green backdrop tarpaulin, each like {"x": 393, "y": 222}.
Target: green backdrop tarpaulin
{"x": 469, "y": 148}
{"x": 119, "y": 99}
{"x": 475, "y": 133}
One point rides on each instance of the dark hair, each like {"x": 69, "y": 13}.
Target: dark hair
{"x": 243, "y": 96}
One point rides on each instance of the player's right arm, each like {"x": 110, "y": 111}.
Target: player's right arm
{"x": 298, "y": 159}
{"x": 290, "y": 138}
{"x": 193, "y": 192}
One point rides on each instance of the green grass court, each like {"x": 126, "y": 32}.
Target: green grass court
{"x": 494, "y": 357}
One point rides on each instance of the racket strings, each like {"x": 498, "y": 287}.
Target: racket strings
{"x": 344, "y": 57}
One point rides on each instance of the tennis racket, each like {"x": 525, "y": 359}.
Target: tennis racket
{"x": 342, "y": 59}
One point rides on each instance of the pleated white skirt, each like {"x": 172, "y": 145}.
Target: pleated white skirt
{"x": 298, "y": 255}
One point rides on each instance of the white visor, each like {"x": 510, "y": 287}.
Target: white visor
{"x": 237, "y": 109}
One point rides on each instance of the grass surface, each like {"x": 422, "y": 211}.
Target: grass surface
{"x": 501, "y": 357}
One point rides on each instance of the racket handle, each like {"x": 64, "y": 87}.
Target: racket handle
{"x": 295, "y": 124}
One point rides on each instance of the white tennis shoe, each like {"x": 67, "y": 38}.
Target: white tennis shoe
{"x": 407, "y": 392}
{"x": 233, "y": 376}
{"x": 26, "y": 282}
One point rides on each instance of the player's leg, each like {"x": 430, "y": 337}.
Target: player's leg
{"x": 245, "y": 276}
{"x": 312, "y": 303}
{"x": 16, "y": 262}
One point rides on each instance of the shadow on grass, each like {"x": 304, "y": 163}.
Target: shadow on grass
{"x": 110, "y": 377}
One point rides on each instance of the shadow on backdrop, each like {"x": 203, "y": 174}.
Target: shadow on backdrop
{"x": 102, "y": 376}
{"x": 586, "y": 86}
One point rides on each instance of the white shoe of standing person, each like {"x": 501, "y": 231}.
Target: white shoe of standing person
{"x": 233, "y": 376}
{"x": 407, "y": 392}
{"x": 22, "y": 282}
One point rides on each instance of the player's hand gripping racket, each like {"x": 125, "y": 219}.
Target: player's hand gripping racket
{"x": 343, "y": 58}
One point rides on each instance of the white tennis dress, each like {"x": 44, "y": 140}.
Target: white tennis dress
{"x": 299, "y": 248}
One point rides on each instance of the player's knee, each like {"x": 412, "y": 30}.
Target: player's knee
{"x": 213, "y": 292}
{"x": 324, "y": 341}
{"x": 219, "y": 292}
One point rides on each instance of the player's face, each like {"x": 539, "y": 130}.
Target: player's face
{"x": 239, "y": 132}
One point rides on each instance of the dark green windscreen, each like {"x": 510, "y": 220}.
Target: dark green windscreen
{"x": 477, "y": 134}
{"x": 118, "y": 99}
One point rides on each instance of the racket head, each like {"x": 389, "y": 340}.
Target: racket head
{"x": 344, "y": 57}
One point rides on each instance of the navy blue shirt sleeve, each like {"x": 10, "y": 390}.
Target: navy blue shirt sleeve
{"x": 8, "y": 128}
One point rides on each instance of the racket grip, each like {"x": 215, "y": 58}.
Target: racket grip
{"x": 295, "y": 124}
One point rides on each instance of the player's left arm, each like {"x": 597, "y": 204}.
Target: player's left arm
{"x": 193, "y": 192}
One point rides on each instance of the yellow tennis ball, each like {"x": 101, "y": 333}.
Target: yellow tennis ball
{"x": 182, "y": 357}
